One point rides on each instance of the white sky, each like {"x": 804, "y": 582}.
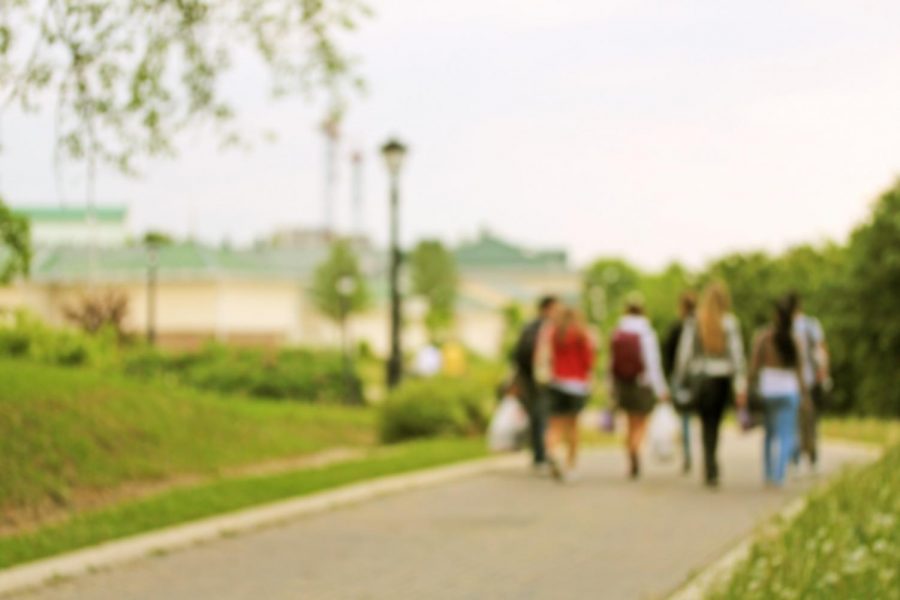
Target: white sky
{"x": 652, "y": 130}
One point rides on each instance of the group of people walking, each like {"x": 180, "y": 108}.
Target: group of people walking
{"x": 700, "y": 368}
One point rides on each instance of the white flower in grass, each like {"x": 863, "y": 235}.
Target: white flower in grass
{"x": 884, "y": 521}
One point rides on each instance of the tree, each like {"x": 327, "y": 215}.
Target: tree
{"x": 15, "y": 245}
{"x": 872, "y": 293}
{"x": 339, "y": 288}
{"x": 606, "y": 282}
{"x": 435, "y": 277}
{"x": 125, "y": 75}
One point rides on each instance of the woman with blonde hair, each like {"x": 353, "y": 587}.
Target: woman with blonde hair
{"x": 710, "y": 366}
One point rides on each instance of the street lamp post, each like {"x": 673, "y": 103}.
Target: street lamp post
{"x": 394, "y": 152}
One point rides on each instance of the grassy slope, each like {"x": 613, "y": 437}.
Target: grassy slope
{"x": 845, "y": 544}
{"x": 63, "y": 428}
{"x": 226, "y": 495}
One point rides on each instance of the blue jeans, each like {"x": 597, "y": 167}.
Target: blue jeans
{"x": 781, "y": 429}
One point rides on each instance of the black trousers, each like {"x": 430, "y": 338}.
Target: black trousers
{"x": 535, "y": 401}
{"x": 715, "y": 397}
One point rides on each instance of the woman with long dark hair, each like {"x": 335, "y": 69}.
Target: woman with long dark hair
{"x": 710, "y": 366}
{"x": 777, "y": 372}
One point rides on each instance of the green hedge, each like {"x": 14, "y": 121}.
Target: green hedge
{"x": 291, "y": 374}
{"x": 422, "y": 408}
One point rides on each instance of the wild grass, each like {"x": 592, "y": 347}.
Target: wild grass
{"x": 845, "y": 544}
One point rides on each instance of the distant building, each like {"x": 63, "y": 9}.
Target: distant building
{"x": 259, "y": 296}
{"x": 76, "y": 226}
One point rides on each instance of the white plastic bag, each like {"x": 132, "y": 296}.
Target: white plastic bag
{"x": 507, "y": 425}
{"x": 663, "y": 430}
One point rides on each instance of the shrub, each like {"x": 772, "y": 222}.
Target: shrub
{"x": 28, "y": 337}
{"x": 291, "y": 374}
{"x": 434, "y": 407}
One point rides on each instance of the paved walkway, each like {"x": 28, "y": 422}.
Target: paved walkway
{"x": 502, "y": 535}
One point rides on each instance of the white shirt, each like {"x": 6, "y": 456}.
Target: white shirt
{"x": 653, "y": 372}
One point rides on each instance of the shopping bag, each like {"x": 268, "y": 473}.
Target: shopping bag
{"x": 608, "y": 420}
{"x": 663, "y": 430}
{"x": 507, "y": 425}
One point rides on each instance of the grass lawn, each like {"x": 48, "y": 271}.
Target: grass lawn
{"x": 845, "y": 544}
{"x": 64, "y": 431}
{"x": 882, "y": 432}
{"x": 184, "y": 505}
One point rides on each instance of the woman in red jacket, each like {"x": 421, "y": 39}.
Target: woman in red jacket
{"x": 567, "y": 353}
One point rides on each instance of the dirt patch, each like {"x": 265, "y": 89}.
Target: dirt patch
{"x": 16, "y": 520}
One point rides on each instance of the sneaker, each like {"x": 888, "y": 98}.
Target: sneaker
{"x": 635, "y": 470}
{"x": 555, "y": 469}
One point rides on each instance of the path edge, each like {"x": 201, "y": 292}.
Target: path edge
{"x": 118, "y": 552}
{"x": 700, "y": 585}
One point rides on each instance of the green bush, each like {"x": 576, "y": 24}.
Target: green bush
{"x": 434, "y": 407}
{"x": 291, "y": 374}
{"x": 28, "y": 337}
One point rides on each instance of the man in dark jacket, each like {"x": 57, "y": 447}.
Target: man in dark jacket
{"x": 686, "y": 304}
{"x": 532, "y": 395}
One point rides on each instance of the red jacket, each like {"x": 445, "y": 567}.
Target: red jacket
{"x": 573, "y": 355}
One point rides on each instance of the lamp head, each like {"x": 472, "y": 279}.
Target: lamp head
{"x": 393, "y": 152}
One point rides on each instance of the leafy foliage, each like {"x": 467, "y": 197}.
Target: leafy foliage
{"x": 290, "y": 374}
{"x": 340, "y": 269}
{"x": 27, "y": 337}
{"x": 434, "y": 407}
{"x": 15, "y": 245}
{"x": 872, "y": 292}
{"x": 435, "y": 277}
{"x": 126, "y": 75}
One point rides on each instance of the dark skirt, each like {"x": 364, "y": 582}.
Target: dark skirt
{"x": 565, "y": 404}
{"x": 634, "y": 398}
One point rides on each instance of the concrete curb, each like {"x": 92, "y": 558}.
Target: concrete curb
{"x": 118, "y": 552}
{"x": 699, "y": 586}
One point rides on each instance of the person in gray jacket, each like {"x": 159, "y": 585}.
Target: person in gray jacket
{"x": 710, "y": 366}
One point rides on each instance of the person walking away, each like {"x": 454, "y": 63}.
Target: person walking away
{"x": 637, "y": 374}
{"x": 776, "y": 368}
{"x": 809, "y": 334}
{"x": 711, "y": 367}
{"x": 567, "y": 353}
{"x": 532, "y": 394}
{"x": 687, "y": 302}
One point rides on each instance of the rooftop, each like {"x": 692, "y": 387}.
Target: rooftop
{"x": 72, "y": 214}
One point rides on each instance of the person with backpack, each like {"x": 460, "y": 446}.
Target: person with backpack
{"x": 776, "y": 369}
{"x": 565, "y": 360}
{"x": 811, "y": 337}
{"x": 686, "y": 305}
{"x": 532, "y": 394}
{"x": 637, "y": 375}
{"x": 711, "y": 370}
